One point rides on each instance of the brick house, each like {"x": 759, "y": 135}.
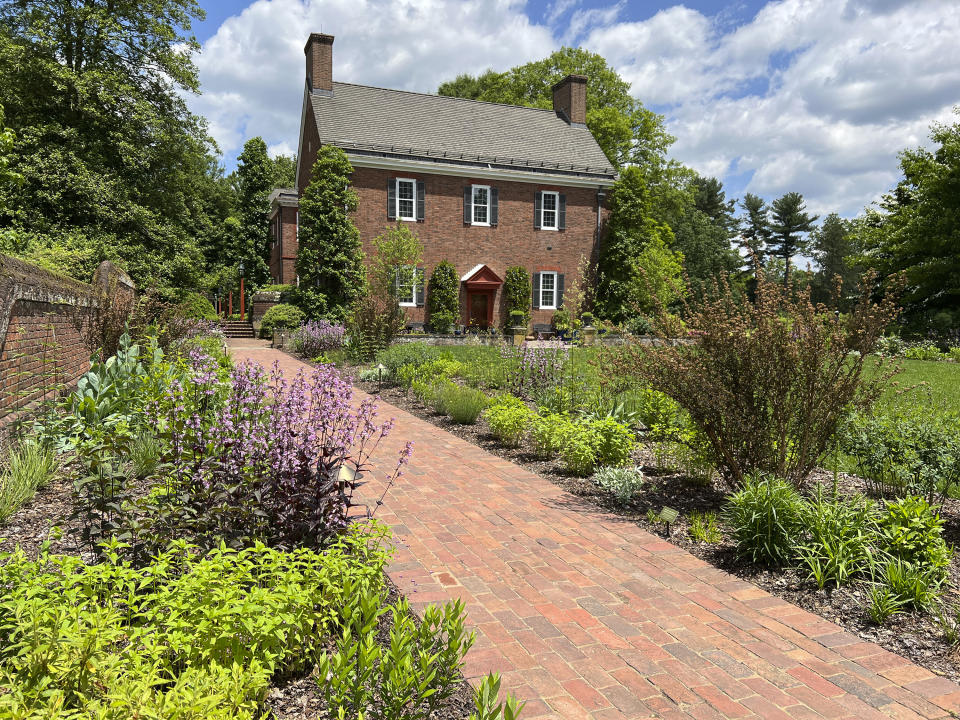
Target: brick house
{"x": 486, "y": 186}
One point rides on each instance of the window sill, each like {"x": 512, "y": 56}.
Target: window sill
{"x": 551, "y": 229}
{"x": 476, "y": 224}
{"x": 547, "y": 307}
{"x": 409, "y": 304}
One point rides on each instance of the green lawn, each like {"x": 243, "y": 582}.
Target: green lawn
{"x": 932, "y": 384}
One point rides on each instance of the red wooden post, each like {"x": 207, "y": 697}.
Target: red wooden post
{"x": 231, "y": 303}
{"x": 242, "y": 313}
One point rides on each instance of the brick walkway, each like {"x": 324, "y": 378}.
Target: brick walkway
{"x": 588, "y": 616}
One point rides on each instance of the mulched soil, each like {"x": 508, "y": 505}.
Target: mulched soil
{"x": 916, "y": 636}
{"x": 46, "y": 518}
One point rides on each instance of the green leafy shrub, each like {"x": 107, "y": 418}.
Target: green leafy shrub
{"x": 911, "y": 531}
{"x": 890, "y": 346}
{"x": 622, "y": 482}
{"x": 705, "y": 527}
{"x": 281, "y": 316}
{"x": 508, "y": 420}
{"x": 465, "y": 404}
{"x": 517, "y": 293}
{"x": 767, "y": 516}
{"x": 954, "y": 354}
{"x": 923, "y": 351}
{"x": 488, "y": 706}
{"x": 547, "y": 433}
{"x": 186, "y": 637}
{"x": 396, "y": 356}
{"x": 910, "y": 452}
{"x": 841, "y": 535}
{"x": 748, "y": 379}
{"x": 26, "y": 469}
{"x": 614, "y": 442}
{"x": 580, "y": 449}
{"x": 195, "y": 306}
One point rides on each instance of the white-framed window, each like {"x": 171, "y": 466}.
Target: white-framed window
{"x": 481, "y": 205}
{"x": 406, "y": 199}
{"x": 406, "y": 280}
{"x": 548, "y": 291}
{"x": 549, "y": 210}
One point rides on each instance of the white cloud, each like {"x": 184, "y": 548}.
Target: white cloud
{"x": 810, "y": 95}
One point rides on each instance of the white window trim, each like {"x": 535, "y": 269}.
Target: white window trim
{"x": 553, "y": 306}
{"x": 556, "y": 210}
{"x": 473, "y": 205}
{"x": 396, "y": 209}
{"x": 413, "y": 285}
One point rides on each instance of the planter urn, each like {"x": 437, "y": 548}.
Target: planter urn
{"x": 589, "y": 335}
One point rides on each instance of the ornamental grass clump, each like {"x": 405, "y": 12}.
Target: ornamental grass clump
{"x": 766, "y": 381}
{"x": 768, "y": 518}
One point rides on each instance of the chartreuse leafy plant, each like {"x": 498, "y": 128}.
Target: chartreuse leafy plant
{"x": 508, "y": 418}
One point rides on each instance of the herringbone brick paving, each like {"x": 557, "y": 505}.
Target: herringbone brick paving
{"x": 588, "y": 616}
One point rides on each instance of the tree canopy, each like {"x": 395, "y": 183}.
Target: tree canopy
{"x": 788, "y": 228}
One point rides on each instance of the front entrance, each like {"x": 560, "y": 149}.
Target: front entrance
{"x": 480, "y": 309}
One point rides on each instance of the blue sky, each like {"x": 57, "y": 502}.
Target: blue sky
{"x": 816, "y": 96}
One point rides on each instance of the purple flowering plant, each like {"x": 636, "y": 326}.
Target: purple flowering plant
{"x": 317, "y": 336}
{"x": 265, "y": 457}
{"x": 535, "y": 367}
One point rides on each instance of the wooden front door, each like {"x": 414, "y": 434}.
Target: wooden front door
{"x": 479, "y": 309}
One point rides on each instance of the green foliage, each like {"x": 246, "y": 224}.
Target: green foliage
{"x": 396, "y": 255}
{"x": 281, "y": 316}
{"x": 841, "y": 533}
{"x": 145, "y": 452}
{"x": 26, "y": 468}
{"x": 789, "y": 225}
{"x": 372, "y": 325}
{"x": 614, "y": 441}
{"x": 911, "y": 531}
{"x": 906, "y": 452}
{"x": 768, "y": 381}
{"x": 409, "y": 679}
{"x": 486, "y": 699}
{"x": 443, "y": 295}
{"x": 196, "y": 306}
{"x": 622, "y": 482}
{"x": 884, "y": 604}
{"x": 834, "y": 249}
{"x": 767, "y": 517}
{"x": 913, "y": 587}
{"x": 187, "y": 636}
{"x": 547, "y": 433}
{"x": 464, "y": 404}
{"x": 508, "y": 420}
{"x": 330, "y": 259}
{"x": 579, "y": 450}
{"x": 636, "y": 266}
{"x": 923, "y": 351}
{"x": 254, "y": 179}
{"x": 7, "y": 176}
{"x": 517, "y": 292}
{"x": 114, "y": 165}
{"x": 755, "y": 230}
{"x": 705, "y": 527}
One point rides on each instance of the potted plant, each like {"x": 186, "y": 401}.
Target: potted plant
{"x": 518, "y": 326}
{"x": 589, "y": 331}
{"x": 561, "y": 323}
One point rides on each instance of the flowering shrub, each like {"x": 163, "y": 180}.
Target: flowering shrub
{"x": 317, "y": 336}
{"x": 274, "y": 459}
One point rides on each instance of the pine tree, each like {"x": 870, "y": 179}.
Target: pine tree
{"x": 790, "y": 223}
{"x": 330, "y": 257}
{"x": 833, "y": 249}
{"x": 755, "y": 230}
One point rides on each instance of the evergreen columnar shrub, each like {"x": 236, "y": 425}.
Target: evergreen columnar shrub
{"x": 768, "y": 518}
{"x": 517, "y": 291}
{"x": 443, "y": 296}
{"x": 767, "y": 381}
{"x": 280, "y": 316}
{"x": 317, "y": 336}
{"x": 330, "y": 256}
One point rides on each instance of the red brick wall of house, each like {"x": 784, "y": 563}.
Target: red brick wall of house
{"x": 514, "y": 241}
{"x": 283, "y": 255}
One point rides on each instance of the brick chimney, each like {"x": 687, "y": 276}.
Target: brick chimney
{"x": 570, "y": 99}
{"x": 319, "y": 52}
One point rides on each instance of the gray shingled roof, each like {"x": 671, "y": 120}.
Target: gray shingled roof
{"x": 366, "y": 119}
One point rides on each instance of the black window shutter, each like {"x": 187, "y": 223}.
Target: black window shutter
{"x": 562, "y": 214}
{"x": 559, "y": 302}
{"x": 537, "y": 204}
{"x": 468, "y": 205}
{"x": 494, "y": 206}
{"x": 536, "y": 287}
{"x": 419, "y": 281}
{"x": 421, "y": 194}
{"x": 392, "y": 199}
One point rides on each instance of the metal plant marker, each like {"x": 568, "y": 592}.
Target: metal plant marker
{"x": 668, "y": 515}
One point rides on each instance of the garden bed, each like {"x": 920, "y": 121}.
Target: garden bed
{"x": 916, "y": 636}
